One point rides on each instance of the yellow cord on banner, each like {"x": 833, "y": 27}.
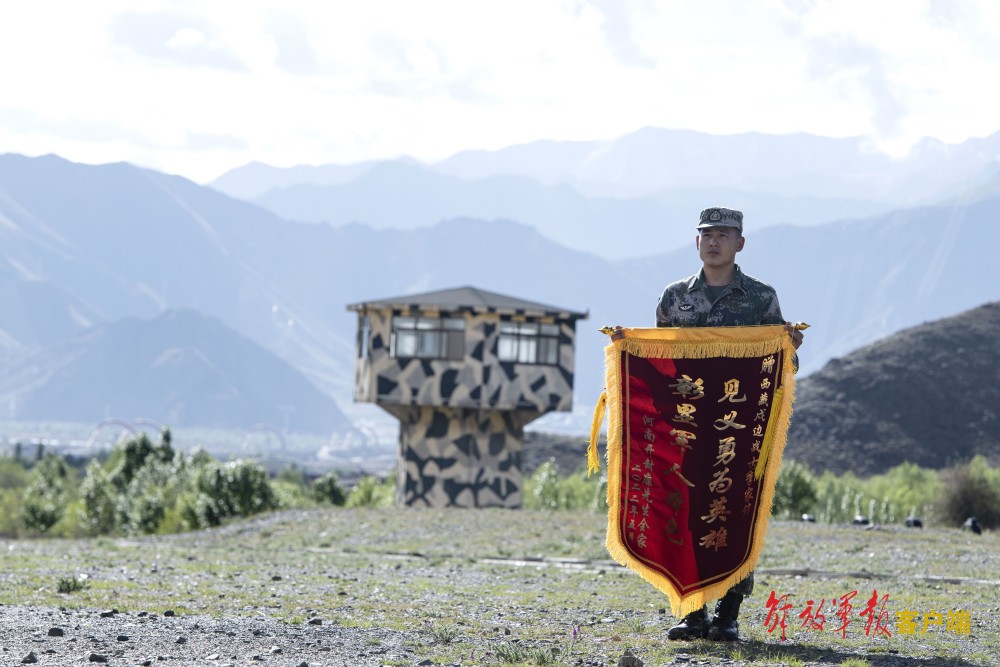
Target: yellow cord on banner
{"x": 593, "y": 462}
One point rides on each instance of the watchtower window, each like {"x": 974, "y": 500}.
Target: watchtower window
{"x": 528, "y": 343}
{"x": 364, "y": 333}
{"x": 428, "y": 337}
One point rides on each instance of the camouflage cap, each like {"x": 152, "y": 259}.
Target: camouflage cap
{"x": 721, "y": 217}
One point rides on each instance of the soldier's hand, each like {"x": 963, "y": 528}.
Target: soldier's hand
{"x": 796, "y": 335}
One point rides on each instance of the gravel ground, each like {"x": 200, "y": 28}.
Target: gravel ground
{"x": 398, "y": 588}
{"x": 53, "y": 636}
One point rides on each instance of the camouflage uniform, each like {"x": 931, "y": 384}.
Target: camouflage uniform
{"x": 745, "y": 301}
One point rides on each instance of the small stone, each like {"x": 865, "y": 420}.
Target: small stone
{"x": 303, "y": 664}
{"x": 315, "y": 621}
{"x": 276, "y": 577}
{"x": 169, "y": 612}
{"x": 629, "y": 660}
{"x": 181, "y": 640}
{"x": 56, "y": 632}
{"x": 257, "y": 657}
{"x": 275, "y": 650}
{"x": 214, "y": 656}
{"x": 29, "y": 659}
{"x": 97, "y": 657}
{"x": 425, "y": 663}
{"x": 143, "y": 614}
{"x": 108, "y": 613}
{"x": 122, "y": 638}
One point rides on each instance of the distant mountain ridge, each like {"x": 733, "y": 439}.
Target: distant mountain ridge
{"x": 114, "y": 241}
{"x": 395, "y": 195}
{"x": 652, "y": 160}
{"x": 929, "y": 395}
{"x": 180, "y": 368}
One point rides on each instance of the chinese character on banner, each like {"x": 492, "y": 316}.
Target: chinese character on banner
{"x": 720, "y": 483}
{"x": 727, "y": 451}
{"x": 730, "y": 389}
{"x": 685, "y": 414}
{"x": 715, "y": 538}
{"x": 689, "y": 388}
{"x": 716, "y": 510}
{"x": 777, "y": 613}
{"x": 768, "y": 365}
{"x": 729, "y": 421}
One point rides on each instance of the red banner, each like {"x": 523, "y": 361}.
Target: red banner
{"x": 696, "y": 434}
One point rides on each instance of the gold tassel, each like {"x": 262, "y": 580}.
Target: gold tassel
{"x": 593, "y": 463}
{"x": 765, "y": 449}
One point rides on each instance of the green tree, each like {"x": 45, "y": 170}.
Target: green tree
{"x": 327, "y": 489}
{"x": 47, "y": 494}
{"x": 795, "y": 491}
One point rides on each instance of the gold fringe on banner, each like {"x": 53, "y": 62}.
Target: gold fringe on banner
{"x": 693, "y": 343}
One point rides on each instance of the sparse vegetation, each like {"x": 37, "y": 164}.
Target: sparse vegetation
{"x": 66, "y": 585}
{"x": 145, "y": 488}
{"x": 972, "y": 490}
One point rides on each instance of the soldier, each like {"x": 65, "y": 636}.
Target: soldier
{"x": 720, "y": 295}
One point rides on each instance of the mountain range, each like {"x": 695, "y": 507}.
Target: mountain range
{"x": 929, "y": 395}
{"x": 654, "y": 180}
{"x": 84, "y": 246}
{"x": 181, "y": 366}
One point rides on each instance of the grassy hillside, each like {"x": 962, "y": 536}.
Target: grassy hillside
{"x": 405, "y": 587}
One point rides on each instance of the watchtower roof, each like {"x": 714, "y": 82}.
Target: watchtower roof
{"x": 469, "y": 299}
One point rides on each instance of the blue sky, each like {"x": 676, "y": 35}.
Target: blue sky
{"x": 197, "y": 88}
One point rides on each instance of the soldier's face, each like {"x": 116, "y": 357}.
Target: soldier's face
{"x": 717, "y": 246}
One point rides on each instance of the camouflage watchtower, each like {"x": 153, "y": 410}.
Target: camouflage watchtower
{"x": 463, "y": 370}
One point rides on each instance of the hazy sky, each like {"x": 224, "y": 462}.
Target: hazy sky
{"x": 199, "y": 87}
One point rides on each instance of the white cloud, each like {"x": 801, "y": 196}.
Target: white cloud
{"x": 198, "y": 88}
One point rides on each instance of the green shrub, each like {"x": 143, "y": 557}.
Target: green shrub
{"x": 13, "y": 474}
{"x": 373, "y": 492}
{"x": 290, "y": 494}
{"x": 99, "y": 500}
{"x": 132, "y": 456}
{"x": 794, "y": 492}
{"x": 68, "y": 585}
{"x": 236, "y": 488}
{"x": 327, "y": 489}
{"x": 972, "y": 489}
{"x": 546, "y": 490}
{"x": 47, "y": 495}
{"x": 11, "y": 504}
{"x": 292, "y": 474}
